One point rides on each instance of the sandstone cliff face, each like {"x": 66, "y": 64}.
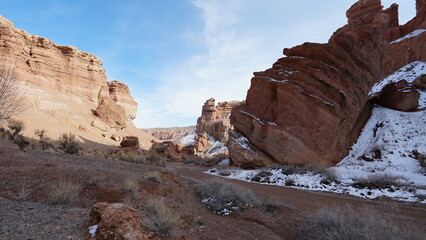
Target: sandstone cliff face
{"x": 310, "y": 106}
{"x": 215, "y": 119}
{"x": 64, "y": 86}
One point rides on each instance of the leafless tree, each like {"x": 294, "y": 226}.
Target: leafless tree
{"x": 11, "y": 93}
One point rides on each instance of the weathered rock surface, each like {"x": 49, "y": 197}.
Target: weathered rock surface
{"x": 130, "y": 141}
{"x": 111, "y": 113}
{"x": 420, "y": 82}
{"x": 399, "y": 96}
{"x": 117, "y": 221}
{"x": 310, "y": 106}
{"x": 63, "y": 85}
{"x": 215, "y": 119}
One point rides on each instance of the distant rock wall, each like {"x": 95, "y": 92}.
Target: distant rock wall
{"x": 169, "y": 133}
{"x": 311, "y": 105}
{"x": 215, "y": 119}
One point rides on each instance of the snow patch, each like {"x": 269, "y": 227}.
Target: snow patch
{"x": 410, "y": 35}
{"x": 410, "y": 72}
{"x": 92, "y": 230}
{"x": 187, "y": 140}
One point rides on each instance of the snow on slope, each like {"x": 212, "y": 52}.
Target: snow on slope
{"x": 216, "y": 147}
{"x": 390, "y": 136}
{"x": 410, "y": 35}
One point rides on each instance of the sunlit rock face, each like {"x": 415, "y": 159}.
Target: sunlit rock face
{"x": 310, "y": 106}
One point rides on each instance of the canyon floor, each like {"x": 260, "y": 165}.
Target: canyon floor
{"x": 28, "y": 179}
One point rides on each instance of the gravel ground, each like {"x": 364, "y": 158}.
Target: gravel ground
{"x": 27, "y": 220}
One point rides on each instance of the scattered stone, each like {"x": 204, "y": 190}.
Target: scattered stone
{"x": 420, "y": 82}
{"x": 130, "y": 141}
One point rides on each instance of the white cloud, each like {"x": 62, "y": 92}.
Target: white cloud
{"x": 239, "y": 37}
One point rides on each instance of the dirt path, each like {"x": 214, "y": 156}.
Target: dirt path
{"x": 311, "y": 200}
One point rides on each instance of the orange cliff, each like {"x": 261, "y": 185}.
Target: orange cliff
{"x": 64, "y": 89}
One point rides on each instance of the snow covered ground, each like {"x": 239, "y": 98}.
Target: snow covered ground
{"x": 384, "y": 155}
{"x": 216, "y": 147}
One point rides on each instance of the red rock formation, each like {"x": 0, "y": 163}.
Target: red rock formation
{"x": 400, "y": 96}
{"x": 63, "y": 85}
{"x": 117, "y": 221}
{"x": 310, "y": 106}
{"x": 215, "y": 120}
{"x": 130, "y": 141}
{"x": 111, "y": 113}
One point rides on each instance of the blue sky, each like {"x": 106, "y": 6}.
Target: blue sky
{"x": 175, "y": 54}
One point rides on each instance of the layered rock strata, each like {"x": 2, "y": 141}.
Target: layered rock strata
{"x": 310, "y": 106}
{"x": 66, "y": 89}
{"x": 215, "y": 119}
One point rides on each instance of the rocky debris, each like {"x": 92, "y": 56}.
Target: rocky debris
{"x": 115, "y": 138}
{"x": 175, "y": 152}
{"x": 244, "y": 154}
{"x": 420, "y": 82}
{"x": 111, "y": 113}
{"x": 310, "y": 107}
{"x": 400, "y": 96}
{"x": 130, "y": 141}
{"x": 117, "y": 221}
{"x": 215, "y": 120}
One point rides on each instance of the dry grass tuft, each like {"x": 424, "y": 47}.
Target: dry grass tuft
{"x": 378, "y": 181}
{"x": 351, "y": 224}
{"x": 64, "y": 192}
{"x": 161, "y": 218}
{"x": 154, "y": 176}
{"x": 131, "y": 184}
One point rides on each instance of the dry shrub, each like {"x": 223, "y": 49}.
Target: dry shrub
{"x": 154, "y": 176}
{"x": 43, "y": 141}
{"x": 69, "y": 143}
{"x": 14, "y": 134}
{"x": 131, "y": 184}
{"x": 130, "y": 157}
{"x": 64, "y": 192}
{"x": 378, "y": 181}
{"x": 160, "y": 217}
{"x": 351, "y": 224}
{"x": 224, "y": 197}
{"x": 153, "y": 158}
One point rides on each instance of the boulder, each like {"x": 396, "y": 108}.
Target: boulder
{"x": 117, "y": 221}
{"x": 111, "y": 113}
{"x": 420, "y": 82}
{"x": 400, "y": 96}
{"x": 201, "y": 142}
{"x": 130, "y": 141}
{"x": 244, "y": 154}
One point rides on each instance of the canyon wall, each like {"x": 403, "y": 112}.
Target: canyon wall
{"x": 309, "y": 108}
{"x": 64, "y": 88}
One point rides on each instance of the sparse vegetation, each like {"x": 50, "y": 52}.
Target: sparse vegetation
{"x": 64, "y": 192}
{"x": 156, "y": 159}
{"x": 14, "y": 134}
{"x": 43, "y": 141}
{"x": 69, "y": 143}
{"x": 131, "y": 184}
{"x": 160, "y": 217}
{"x": 223, "y": 197}
{"x": 378, "y": 181}
{"x": 154, "y": 176}
{"x": 11, "y": 94}
{"x": 350, "y": 224}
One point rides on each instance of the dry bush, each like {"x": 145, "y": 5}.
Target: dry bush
{"x": 14, "y": 134}
{"x": 153, "y": 158}
{"x": 154, "y": 176}
{"x": 69, "y": 143}
{"x": 22, "y": 194}
{"x": 64, "y": 192}
{"x": 130, "y": 157}
{"x": 43, "y": 141}
{"x": 160, "y": 217}
{"x": 12, "y": 95}
{"x": 131, "y": 184}
{"x": 223, "y": 197}
{"x": 378, "y": 181}
{"x": 351, "y": 224}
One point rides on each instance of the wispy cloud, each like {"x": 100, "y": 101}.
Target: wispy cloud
{"x": 238, "y": 38}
